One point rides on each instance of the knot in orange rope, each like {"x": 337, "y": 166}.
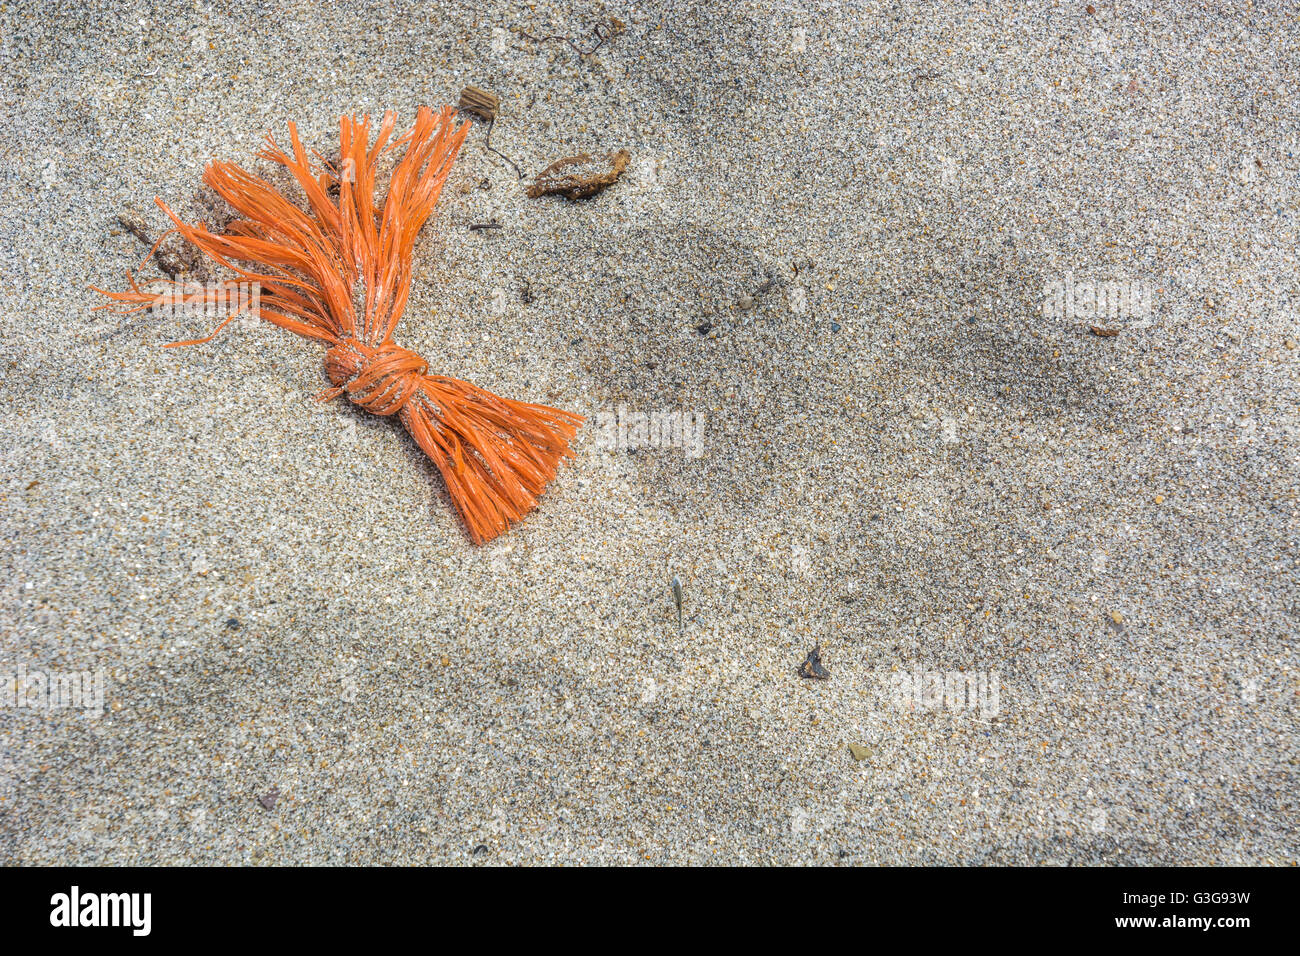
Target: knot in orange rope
{"x": 381, "y": 379}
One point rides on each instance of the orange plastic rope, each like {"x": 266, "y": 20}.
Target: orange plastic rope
{"x": 340, "y": 272}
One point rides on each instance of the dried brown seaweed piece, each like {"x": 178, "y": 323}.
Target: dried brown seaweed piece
{"x": 578, "y": 177}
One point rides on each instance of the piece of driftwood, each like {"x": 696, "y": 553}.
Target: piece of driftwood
{"x": 577, "y": 177}
{"x": 479, "y": 102}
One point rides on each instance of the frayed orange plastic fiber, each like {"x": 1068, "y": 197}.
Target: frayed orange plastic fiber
{"x": 341, "y": 273}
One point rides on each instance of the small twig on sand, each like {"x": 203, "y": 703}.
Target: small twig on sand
{"x": 484, "y": 105}
{"x": 487, "y": 144}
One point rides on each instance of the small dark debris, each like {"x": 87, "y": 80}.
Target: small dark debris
{"x": 232, "y": 624}
{"x": 677, "y": 599}
{"x": 480, "y": 850}
{"x": 269, "y": 800}
{"x": 526, "y": 296}
{"x": 334, "y": 187}
{"x": 32, "y": 484}
{"x": 603, "y": 36}
{"x": 704, "y": 328}
{"x": 481, "y": 226}
{"x": 812, "y": 665}
{"x": 924, "y": 77}
{"x": 174, "y": 255}
{"x": 835, "y": 326}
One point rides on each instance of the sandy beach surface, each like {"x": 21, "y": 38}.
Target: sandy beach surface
{"x": 855, "y": 258}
